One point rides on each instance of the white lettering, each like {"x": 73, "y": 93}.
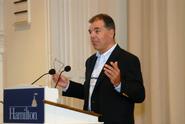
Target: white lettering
{"x": 25, "y": 114}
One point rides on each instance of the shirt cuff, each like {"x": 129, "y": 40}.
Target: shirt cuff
{"x": 118, "y": 88}
{"x": 66, "y": 88}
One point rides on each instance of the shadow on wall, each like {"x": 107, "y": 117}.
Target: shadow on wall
{"x": 22, "y": 26}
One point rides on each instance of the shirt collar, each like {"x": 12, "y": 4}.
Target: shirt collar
{"x": 107, "y": 53}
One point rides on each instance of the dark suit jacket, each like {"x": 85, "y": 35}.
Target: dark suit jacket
{"x": 115, "y": 107}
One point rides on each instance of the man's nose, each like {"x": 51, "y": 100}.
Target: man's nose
{"x": 92, "y": 34}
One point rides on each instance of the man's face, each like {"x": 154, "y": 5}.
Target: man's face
{"x": 101, "y": 37}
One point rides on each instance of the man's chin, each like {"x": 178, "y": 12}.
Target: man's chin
{"x": 95, "y": 47}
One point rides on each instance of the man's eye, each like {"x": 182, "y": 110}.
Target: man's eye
{"x": 89, "y": 31}
{"x": 97, "y": 31}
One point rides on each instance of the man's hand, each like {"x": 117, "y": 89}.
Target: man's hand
{"x": 113, "y": 72}
{"x": 63, "y": 81}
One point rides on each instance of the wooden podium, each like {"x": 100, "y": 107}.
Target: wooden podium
{"x": 39, "y": 105}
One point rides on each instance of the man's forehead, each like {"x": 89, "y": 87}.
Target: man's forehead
{"x": 96, "y": 24}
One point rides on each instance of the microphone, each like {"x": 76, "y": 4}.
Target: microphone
{"x": 1, "y": 102}
{"x": 51, "y": 72}
{"x": 66, "y": 69}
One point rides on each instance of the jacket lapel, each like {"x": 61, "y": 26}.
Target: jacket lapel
{"x": 91, "y": 67}
{"x": 113, "y": 57}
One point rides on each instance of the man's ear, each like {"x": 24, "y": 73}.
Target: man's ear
{"x": 112, "y": 33}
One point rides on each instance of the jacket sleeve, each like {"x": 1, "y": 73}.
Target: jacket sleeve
{"x": 132, "y": 82}
{"x": 75, "y": 90}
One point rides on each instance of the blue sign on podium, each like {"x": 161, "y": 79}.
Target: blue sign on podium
{"x": 24, "y": 105}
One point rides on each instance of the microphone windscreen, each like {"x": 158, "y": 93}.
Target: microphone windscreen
{"x": 67, "y": 68}
{"x": 52, "y": 71}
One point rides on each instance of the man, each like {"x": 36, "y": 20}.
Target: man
{"x": 113, "y": 79}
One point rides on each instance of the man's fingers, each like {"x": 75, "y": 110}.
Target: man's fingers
{"x": 107, "y": 70}
{"x": 55, "y": 77}
{"x": 109, "y": 75}
{"x": 115, "y": 65}
{"x": 113, "y": 72}
{"x": 108, "y": 67}
{"x": 113, "y": 68}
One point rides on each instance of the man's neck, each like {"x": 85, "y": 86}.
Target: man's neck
{"x": 107, "y": 49}
{"x": 110, "y": 49}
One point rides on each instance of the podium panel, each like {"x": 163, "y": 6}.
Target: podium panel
{"x": 39, "y": 105}
{"x": 69, "y": 115}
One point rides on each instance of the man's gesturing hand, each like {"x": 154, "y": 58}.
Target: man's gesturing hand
{"x": 63, "y": 81}
{"x": 113, "y": 72}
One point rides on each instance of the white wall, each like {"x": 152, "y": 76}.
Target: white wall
{"x": 156, "y": 32}
{"x": 176, "y": 61}
{"x": 26, "y": 53}
{"x": 1, "y": 57}
{"x": 25, "y": 47}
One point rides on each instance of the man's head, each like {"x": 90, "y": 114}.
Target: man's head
{"x": 102, "y": 32}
